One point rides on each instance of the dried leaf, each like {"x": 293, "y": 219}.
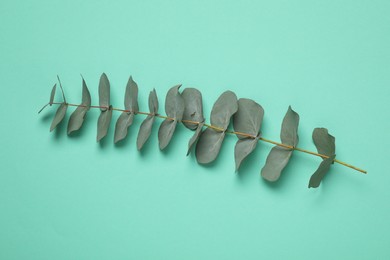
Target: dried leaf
{"x": 243, "y": 148}
{"x": 195, "y": 137}
{"x": 316, "y": 178}
{"x": 174, "y": 107}
{"x": 193, "y": 107}
{"x": 208, "y": 146}
{"x": 289, "y": 133}
{"x": 144, "y": 131}
{"x": 131, "y": 96}
{"x": 60, "y": 114}
{"x": 224, "y": 108}
{"x": 165, "y": 132}
{"x": 77, "y": 117}
{"x": 248, "y": 117}
{"x": 324, "y": 142}
{"x": 122, "y": 124}
{"x": 104, "y": 92}
{"x": 153, "y": 102}
{"x": 276, "y": 161}
{"x": 103, "y": 123}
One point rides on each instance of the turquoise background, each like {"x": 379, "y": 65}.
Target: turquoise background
{"x": 71, "y": 198}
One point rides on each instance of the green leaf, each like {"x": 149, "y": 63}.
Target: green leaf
{"x": 104, "y": 92}
{"x": 243, "y": 148}
{"x": 122, "y": 124}
{"x": 276, "y": 161}
{"x": 103, "y": 123}
{"x": 131, "y": 96}
{"x": 174, "y": 107}
{"x": 248, "y": 117}
{"x": 208, "y": 146}
{"x": 223, "y": 109}
{"x": 289, "y": 133}
{"x": 77, "y": 117}
{"x": 153, "y": 102}
{"x": 324, "y": 142}
{"x": 316, "y": 178}
{"x": 165, "y": 132}
{"x": 52, "y": 94}
{"x": 60, "y": 114}
{"x": 144, "y": 131}
{"x": 210, "y": 141}
{"x": 193, "y": 107}
{"x": 195, "y": 137}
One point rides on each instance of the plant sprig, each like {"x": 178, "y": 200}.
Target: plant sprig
{"x": 187, "y": 108}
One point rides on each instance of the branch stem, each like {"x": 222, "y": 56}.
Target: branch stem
{"x": 226, "y": 131}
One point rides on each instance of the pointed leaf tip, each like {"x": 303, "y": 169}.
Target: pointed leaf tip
{"x": 104, "y": 92}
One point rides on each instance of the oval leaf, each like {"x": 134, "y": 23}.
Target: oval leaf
{"x": 144, "y": 131}
{"x": 153, "y": 102}
{"x": 104, "y": 92}
{"x": 195, "y": 137}
{"x": 276, "y": 161}
{"x": 289, "y": 133}
{"x": 60, "y": 114}
{"x": 223, "y": 109}
{"x": 243, "y": 148}
{"x": 165, "y": 132}
{"x": 324, "y": 142}
{"x": 248, "y": 117}
{"x": 122, "y": 124}
{"x": 208, "y": 146}
{"x": 77, "y": 117}
{"x": 193, "y": 110}
{"x": 131, "y": 96}
{"x": 174, "y": 103}
{"x": 103, "y": 124}
{"x": 52, "y": 94}
{"x": 316, "y": 178}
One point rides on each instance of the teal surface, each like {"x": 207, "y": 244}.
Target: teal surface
{"x": 71, "y": 198}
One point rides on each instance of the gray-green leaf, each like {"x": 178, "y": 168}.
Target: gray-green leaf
{"x": 208, "y": 146}
{"x": 243, "y": 148}
{"x": 289, "y": 133}
{"x": 144, "y": 131}
{"x": 195, "y": 137}
{"x": 77, "y": 118}
{"x": 276, "y": 161}
{"x": 324, "y": 142}
{"x": 153, "y": 102}
{"x": 248, "y": 117}
{"x": 165, "y": 132}
{"x": 223, "y": 109}
{"x": 316, "y": 178}
{"x": 104, "y": 92}
{"x": 122, "y": 124}
{"x": 103, "y": 123}
{"x": 52, "y": 94}
{"x": 60, "y": 114}
{"x": 131, "y": 96}
{"x": 193, "y": 107}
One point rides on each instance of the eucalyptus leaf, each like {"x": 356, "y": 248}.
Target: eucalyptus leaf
{"x": 276, "y": 161}
{"x": 195, "y": 137}
{"x": 104, "y": 92}
{"x": 289, "y": 133}
{"x": 144, "y": 131}
{"x": 62, "y": 89}
{"x": 131, "y": 96}
{"x": 248, "y": 118}
{"x": 324, "y": 142}
{"x": 103, "y": 123}
{"x": 193, "y": 107}
{"x": 77, "y": 117}
{"x": 153, "y": 102}
{"x": 174, "y": 103}
{"x": 122, "y": 124}
{"x": 60, "y": 114}
{"x": 165, "y": 132}
{"x": 52, "y": 94}
{"x": 223, "y": 109}
{"x": 316, "y": 178}
{"x": 243, "y": 148}
{"x": 208, "y": 146}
